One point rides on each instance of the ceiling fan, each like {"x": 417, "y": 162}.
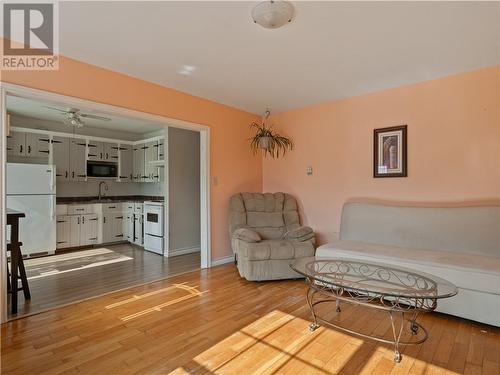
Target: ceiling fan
{"x": 74, "y": 116}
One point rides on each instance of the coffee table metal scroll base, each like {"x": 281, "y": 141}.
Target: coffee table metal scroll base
{"x": 397, "y": 309}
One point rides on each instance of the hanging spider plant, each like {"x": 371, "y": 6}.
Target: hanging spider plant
{"x": 267, "y": 139}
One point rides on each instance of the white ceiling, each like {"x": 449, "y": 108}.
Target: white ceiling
{"x": 37, "y": 110}
{"x": 331, "y": 50}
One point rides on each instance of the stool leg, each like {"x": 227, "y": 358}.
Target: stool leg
{"x": 9, "y": 287}
{"x": 14, "y": 268}
{"x": 24, "y": 279}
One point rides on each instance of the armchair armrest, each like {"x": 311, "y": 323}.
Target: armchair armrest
{"x": 246, "y": 235}
{"x": 300, "y": 234}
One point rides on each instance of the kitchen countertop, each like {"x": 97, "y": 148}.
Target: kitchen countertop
{"x": 108, "y": 199}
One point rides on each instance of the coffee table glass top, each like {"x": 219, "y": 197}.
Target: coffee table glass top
{"x": 377, "y": 278}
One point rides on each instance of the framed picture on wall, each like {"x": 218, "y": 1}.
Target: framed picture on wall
{"x": 390, "y": 152}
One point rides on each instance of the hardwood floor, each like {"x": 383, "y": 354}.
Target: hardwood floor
{"x": 213, "y": 322}
{"x": 63, "y": 288}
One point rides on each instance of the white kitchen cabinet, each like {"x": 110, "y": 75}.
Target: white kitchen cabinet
{"x": 110, "y": 152}
{"x": 151, "y": 155}
{"x": 28, "y": 144}
{"x": 60, "y": 157}
{"x": 94, "y": 150}
{"x": 63, "y": 232}
{"x": 16, "y": 143}
{"x": 75, "y": 230}
{"x": 37, "y": 145}
{"x": 88, "y": 229}
{"x": 138, "y": 230}
{"x": 78, "y": 164}
{"x": 103, "y": 151}
{"x": 126, "y": 163}
{"x": 138, "y": 163}
{"x": 83, "y": 229}
{"x": 112, "y": 227}
{"x": 128, "y": 222}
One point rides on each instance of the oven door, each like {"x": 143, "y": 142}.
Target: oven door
{"x": 153, "y": 220}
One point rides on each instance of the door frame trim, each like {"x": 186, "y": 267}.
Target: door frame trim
{"x": 69, "y": 101}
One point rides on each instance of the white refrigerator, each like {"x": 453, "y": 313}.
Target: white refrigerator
{"x": 31, "y": 189}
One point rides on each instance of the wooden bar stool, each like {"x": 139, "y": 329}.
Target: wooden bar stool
{"x": 17, "y": 269}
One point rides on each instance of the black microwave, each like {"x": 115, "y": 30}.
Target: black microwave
{"x": 102, "y": 169}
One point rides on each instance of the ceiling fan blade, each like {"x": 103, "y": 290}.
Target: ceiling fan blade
{"x": 88, "y": 115}
{"x": 57, "y": 109}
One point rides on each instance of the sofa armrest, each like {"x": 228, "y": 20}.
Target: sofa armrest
{"x": 300, "y": 234}
{"x": 247, "y": 235}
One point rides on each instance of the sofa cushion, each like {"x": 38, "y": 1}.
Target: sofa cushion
{"x": 274, "y": 249}
{"x": 246, "y": 235}
{"x": 469, "y": 271}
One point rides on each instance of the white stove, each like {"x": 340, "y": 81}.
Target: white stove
{"x": 154, "y": 226}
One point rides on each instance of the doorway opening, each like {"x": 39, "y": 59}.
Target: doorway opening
{"x": 115, "y": 200}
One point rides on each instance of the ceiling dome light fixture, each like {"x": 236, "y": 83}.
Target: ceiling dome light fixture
{"x": 273, "y": 14}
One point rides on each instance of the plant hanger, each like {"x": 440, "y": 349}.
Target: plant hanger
{"x": 268, "y": 140}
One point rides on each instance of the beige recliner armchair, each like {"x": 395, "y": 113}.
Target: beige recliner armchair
{"x": 266, "y": 235}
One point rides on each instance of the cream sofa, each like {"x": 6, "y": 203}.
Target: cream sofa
{"x": 459, "y": 244}
{"x": 266, "y": 235}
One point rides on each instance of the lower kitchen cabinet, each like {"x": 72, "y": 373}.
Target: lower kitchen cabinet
{"x": 63, "y": 232}
{"x": 112, "y": 227}
{"x": 83, "y": 230}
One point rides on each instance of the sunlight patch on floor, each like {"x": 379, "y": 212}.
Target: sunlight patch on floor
{"x": 142, "y": 299}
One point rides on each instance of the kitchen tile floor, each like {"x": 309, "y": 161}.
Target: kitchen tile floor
{"x": 62, "y": 288}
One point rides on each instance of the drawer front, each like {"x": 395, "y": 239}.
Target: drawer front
{"x": 128, "y": 207}
{"x": 112, "y": 207}
{"x": 61, "y": 209}
{"x": 80, "y": 209}
{"x": 138, "y": 207}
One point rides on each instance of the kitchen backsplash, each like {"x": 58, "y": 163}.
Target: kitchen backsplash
{"x": 91, "y": 187}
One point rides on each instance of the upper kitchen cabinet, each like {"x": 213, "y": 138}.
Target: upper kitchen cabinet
{"x": 126, "y": 163}
{"x": 103, "y": 151}
{"x": 151, "y": 155}
{"x": 16, "y": 144}
{"x": 94, "y": 150}
{"x": 60, "y": 157}
{"x": 78, "y": 165}
{"x": 37, "y": 145}
{"x": 110, "y": 152}
{"x": 138, "y": 163}
{"x": 28, "y": 144}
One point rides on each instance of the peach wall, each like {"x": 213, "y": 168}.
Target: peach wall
{"x": 231, "y": 162}
{"x": 453, "y": 145}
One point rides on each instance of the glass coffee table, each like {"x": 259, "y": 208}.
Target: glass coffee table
{"x": 402, "y": 292}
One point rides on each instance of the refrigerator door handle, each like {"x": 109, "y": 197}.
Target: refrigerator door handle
{"x": 52, "y": 207}
{"x": 52, "y": 179}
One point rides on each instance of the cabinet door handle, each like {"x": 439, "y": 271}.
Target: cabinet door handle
{"x": 58, "y": 242}
{"x": 107, "y": 156}
{"x": 66, "y": 174}
{"x": 55, "y": 141}
{"x": 82, "y": 175}
{"x": 45, "y": 152}
{"x": 78, "y": 220}
{"x": 91, "y": 145}
{"x": 58, "y": 175}
{"x": 95, "y": 219}
{"x": 21, "y": 149}
{"x": 101, "y": 155}
{"x": 61, "y": 221}
{"x": 119, "y": 235}
{"x": 92, "y": 155}
{"x": 44, "y": 140}
{"x": 83, "y": 219}
{"x": 93, "y": 239}
{"x": 104, "y": 219}
{"x": 29, "y": 149}
{"x": 73, "y": 174}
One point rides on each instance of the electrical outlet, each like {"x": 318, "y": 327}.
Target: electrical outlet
{"x": 309, "y": 171}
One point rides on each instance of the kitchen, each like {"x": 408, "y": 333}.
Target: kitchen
{"x": 94, "y": 188}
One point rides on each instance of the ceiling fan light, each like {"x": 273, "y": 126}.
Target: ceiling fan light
{"x": 273, "y": 14}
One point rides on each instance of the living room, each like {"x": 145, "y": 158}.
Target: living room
{"x": 350, "y": 187}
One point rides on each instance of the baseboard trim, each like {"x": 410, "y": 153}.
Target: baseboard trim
{"x": 183, "y": 250}
{"x": 224, "y": 260}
